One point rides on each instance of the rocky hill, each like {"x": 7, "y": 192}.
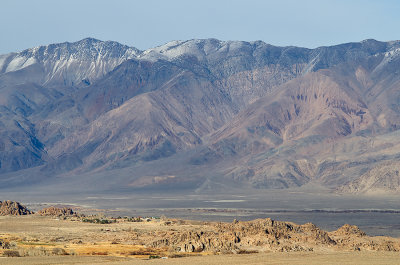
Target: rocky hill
{"x": 13, "y": 208}
{"x": 57, "y": 211}
{"x": 269, "y": 235}
{"x": 252, "y": 114}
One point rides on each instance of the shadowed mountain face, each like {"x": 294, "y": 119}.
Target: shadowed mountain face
{"x": 202, "y": 114}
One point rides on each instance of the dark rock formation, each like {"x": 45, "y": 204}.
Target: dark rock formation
{"x": 13, "y": 208}
{"x": 267, "y": 234}
{"x": 57, "y": 211}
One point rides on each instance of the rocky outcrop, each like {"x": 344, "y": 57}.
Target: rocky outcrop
{"x": 349, "y": 230}
{"x": 268, "y": 235}
{"x": 350, "y": 237}
{"x": 57, "y": 211}
{"x": 13, "y": 208}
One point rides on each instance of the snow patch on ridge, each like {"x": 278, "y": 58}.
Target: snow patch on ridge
{"x": 389, "y": 56}
{"x": 70, "y": 63}
{"x": 20, "y": 62}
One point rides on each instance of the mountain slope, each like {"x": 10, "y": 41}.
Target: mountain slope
{"x": 381, "y": 179}
{"x": 70, "y": 64}
{"x": 19, "y": 146}
{"x": 280, "y": 139}
{"x": 224, "y": 113}
{"x": 154, "y": 124}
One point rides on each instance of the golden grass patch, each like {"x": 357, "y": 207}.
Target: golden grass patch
{"x": 112, "y": 249}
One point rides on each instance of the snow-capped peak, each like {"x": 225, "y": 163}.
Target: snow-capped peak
{"x": 70, "y": 63}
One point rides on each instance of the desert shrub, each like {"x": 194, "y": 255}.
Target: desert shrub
{"x": 154, "y": 257}
{"x": 178, "y": 255}
{"x": 245, "y": 251}
{"x": 141, "y": 252}
{"x": 35, "y": 251}
{"x": 134, "y": 219}
{"x": 105, "y": 221}
{"x": 59, "y": 251}
{"x": 41, "y": 251}
{"x": 99, "y": 253}
{"x": 4, "y": 245}
{"x": 98, "y": 221}
{"x": 11, "y": 253}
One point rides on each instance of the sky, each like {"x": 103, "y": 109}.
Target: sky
{"x": 148, "y": 23}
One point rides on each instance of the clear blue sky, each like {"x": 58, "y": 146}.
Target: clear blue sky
{"x": 148, "y": 23}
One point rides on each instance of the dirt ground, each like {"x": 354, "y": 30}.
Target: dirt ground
{"x": 342, "y": 258}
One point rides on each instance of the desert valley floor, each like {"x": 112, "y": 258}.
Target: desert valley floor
{"x": 60, "y": 236}
{"x": 344, "y": 258}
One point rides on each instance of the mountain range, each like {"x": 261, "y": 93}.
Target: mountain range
{"x": 202, "y": 115}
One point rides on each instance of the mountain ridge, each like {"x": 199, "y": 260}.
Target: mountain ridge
{"x": 92, "y": 106}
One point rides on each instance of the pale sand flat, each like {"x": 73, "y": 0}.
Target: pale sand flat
{"x": 342, "y": 258}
